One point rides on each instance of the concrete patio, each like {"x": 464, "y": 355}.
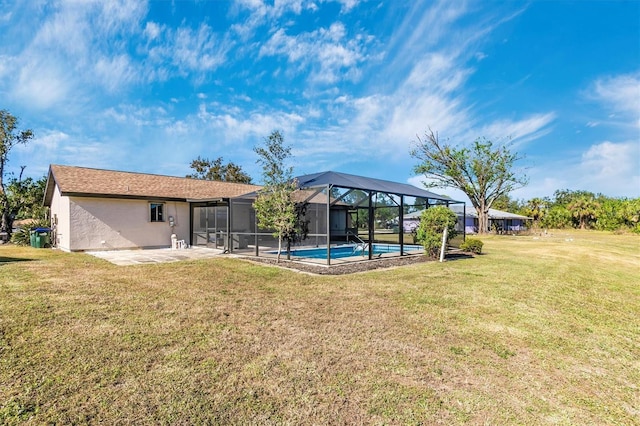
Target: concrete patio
{"x": 163, "y": 255}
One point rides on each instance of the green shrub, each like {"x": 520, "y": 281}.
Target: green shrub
{"x": 472, "y": 245}
{"x": 23, "y": 236}
{"x": 432, "y": 223}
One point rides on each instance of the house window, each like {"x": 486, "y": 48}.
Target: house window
{"x": 157, "y": 212}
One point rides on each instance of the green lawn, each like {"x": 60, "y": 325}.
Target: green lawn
{"x": 537, "y": 330}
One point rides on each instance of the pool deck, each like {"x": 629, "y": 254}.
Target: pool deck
{"x": 147, "y": 256}
{"x": 164, "y": 255}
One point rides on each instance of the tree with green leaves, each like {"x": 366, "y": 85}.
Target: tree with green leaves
{"x": 10, "y": 137}
{"x": 206, "y": 169}
{"x": 300, "y": 229}
{"x": 484, "y": 172}
{"x": 584, "y": 209}
{"x": 507, "y": 204}
{"x": 275, "y": 206}
{"x": 26, "y": 196}
{"x": 557, "y": 217}
{"x": 535, "y": 208}
{"x": 433, "y": 222}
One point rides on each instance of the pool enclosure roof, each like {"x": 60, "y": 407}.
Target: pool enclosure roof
{"x": 347, "y": 181}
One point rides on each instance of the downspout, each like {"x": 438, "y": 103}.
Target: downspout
{"x": 191, "y": 224}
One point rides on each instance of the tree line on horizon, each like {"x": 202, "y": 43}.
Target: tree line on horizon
{"x": 577, "y": 209}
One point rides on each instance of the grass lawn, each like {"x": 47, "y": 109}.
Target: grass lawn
{"x": 537, "y": 330}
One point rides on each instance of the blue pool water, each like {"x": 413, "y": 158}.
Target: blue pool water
{"x": 338, "y": 252}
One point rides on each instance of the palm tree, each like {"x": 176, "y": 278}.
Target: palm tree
{"x": 535, "y": 208}
{"x": 584, "y": 209}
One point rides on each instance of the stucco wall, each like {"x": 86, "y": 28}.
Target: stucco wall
{"x": 105, "y": 224}
{"x": 60, "y": 220}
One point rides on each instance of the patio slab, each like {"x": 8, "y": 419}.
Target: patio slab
{"x": 164, "y": 255}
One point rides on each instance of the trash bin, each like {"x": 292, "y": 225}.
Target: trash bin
{"x": 41, "y": 237}
{"x": 32, "y": 238}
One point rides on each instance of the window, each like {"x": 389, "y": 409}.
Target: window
{"x": 157, "y": 212}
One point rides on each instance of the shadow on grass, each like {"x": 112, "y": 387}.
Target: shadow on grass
{"x": 458, "y": 256}
{"x": 4, "y": 260}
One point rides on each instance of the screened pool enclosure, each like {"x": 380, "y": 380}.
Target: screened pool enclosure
{"x": 350, "y": 218}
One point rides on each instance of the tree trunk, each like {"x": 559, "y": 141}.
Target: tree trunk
{"x": 483, "y": 219}
{"x": 5, "y": 214}
{"x": 279, "y": 248}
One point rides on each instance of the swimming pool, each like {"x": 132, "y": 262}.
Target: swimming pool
{"x": 349, "y": 250}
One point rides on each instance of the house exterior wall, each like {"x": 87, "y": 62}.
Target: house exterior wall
{"x": 410, "y": 224}
{"x": 60, "y": 220}
{"x": 107, "y": 224}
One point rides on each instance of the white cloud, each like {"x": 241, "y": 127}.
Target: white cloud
{"x": 115, "y": 72}
{"x": 42, "y": 85}
{"x": 620, "y": 94}
{"x": 453, "y": 193}
{"x": 70, "y": 53}
{"x": 152, "y": 30}
{"x": 137, "y": 116}
{"x": 197, "y": 50}
{"x": 612, "y": 163}
{"x": 521, "y": 131}
{"x": 242, "y": 125}
{"x": 260, "y": 13}
{"x": 44, "y": 142}
{"x": 610, "y": 168}
{"x": 327, "y": 52}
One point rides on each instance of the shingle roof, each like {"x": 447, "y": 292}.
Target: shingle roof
{"x": 83, "y": 181}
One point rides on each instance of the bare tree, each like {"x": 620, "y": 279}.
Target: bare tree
{"x": 484, "y": 172}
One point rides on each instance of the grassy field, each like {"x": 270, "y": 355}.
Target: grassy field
{"x": 538, "y": 330}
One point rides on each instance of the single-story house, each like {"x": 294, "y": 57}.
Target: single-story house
{"x": 499, "y": 220}
{"x": 94, "y": 209}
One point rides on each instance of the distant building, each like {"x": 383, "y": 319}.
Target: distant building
{"x": 499, "y": 221}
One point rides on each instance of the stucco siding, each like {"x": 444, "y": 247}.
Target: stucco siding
{"x": 107, "y": 224}
{"x": 60, "y": 220}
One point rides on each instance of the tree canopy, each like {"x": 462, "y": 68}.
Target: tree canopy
{"x": 10, "y": 137}
{"x": 484, "y": 172}
{"x": 25, "y": 197}
{"x": 206, "y": 169}
{"x": 275, "y": 207}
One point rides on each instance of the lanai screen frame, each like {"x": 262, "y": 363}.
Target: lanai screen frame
{"x": 318, "y": 182}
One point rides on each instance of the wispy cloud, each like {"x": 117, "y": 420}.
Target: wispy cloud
{"x": 607, "y": 167}
{"x": 69, "y": 51}
{"x": 520, "y": 131}
{"x": 328, "y": 52}
{"x": 620, "y": 94}
{"x": 613, "y": 164}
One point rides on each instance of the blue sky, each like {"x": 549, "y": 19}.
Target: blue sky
{"x": 149, "y": 86}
